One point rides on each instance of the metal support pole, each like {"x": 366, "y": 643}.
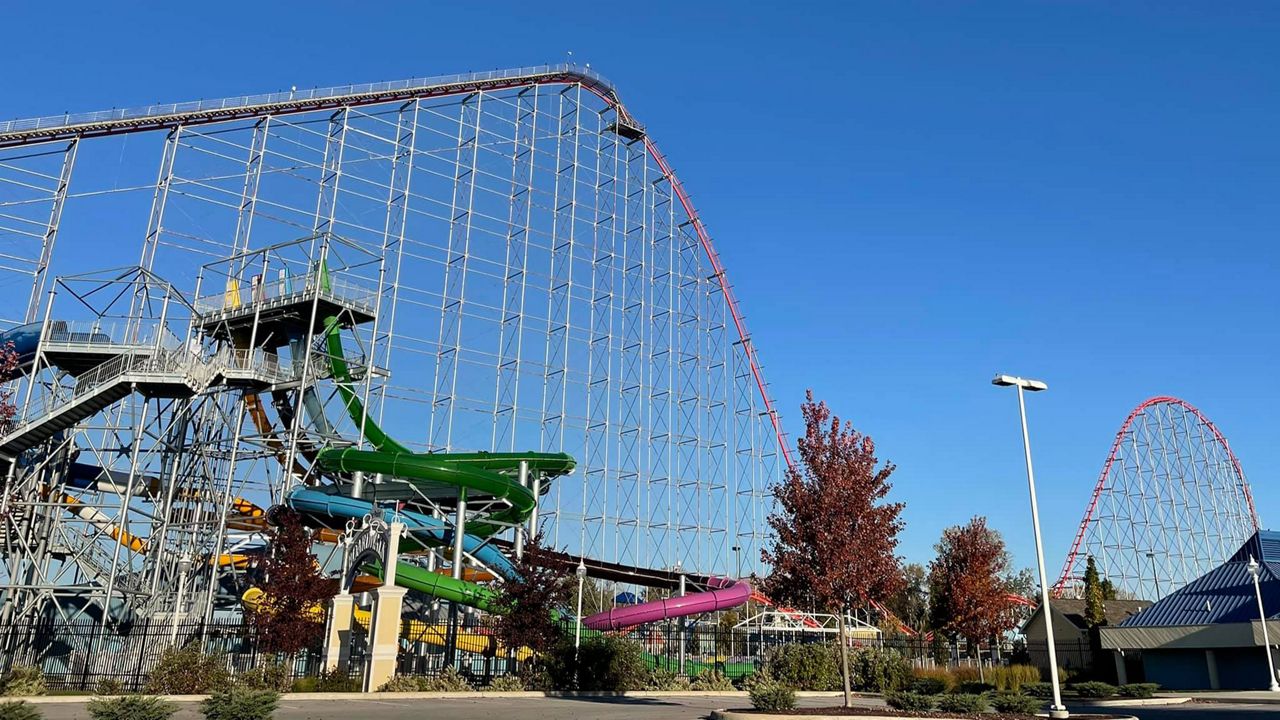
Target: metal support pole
{"x": 459, "y": 531}
{"x": 681, "y": 620}
{"x": 1057, "y": 710}
{"x": 51, "y": 230}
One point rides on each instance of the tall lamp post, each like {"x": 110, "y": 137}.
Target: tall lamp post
{"x": 1057, "y": 710}
{"x": 1262, "y": 614}
{"x": 1155, "y": 574}
{"x": 581, "y": 572}
{"x": 737, "y": 553}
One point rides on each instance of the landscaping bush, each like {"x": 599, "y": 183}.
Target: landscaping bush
{"x": 964, "y": 673}
{"x": 1139, "y": 690}
{"x": 929, "y": 686}
{"x": 1016, "y": 703}
{"x": 1094, "y": 689}
{"x": 1042, "y": 690}
{"x": 447, "y": 681}
{"x": 268, "y": 677}
{"x": 806, "y": 666}
{"x": 962, "y": 703}
{"x": 506, "y": 683}
{"x": 19, "y": 710}
{"x": 333, "y": 681}
{"x": 108, "y": 687}
{"x": 766, "y": 693}
{"x": 974, "y": 687}
{"x": 933, "y": 677}
{"x": 604, "y": 663}
{"x": 711, "y": 681}
{"x": 188, "y": 671}
{"x": 911, "y": 701}
{"x": 131, "y": 707}
{"x": 240, "y": 703}
{"x": 1012, "y": 677}
{"x": 23, "y": 681}
{"x": 400, "y": 683}
{"x": 876, "y": 670}
{"x": 662, "y": 679}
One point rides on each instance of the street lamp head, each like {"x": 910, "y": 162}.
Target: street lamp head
{"x": 1253, "y": 567}
{"x": 1014, "y": 381}
{"x": 581, "y": 570}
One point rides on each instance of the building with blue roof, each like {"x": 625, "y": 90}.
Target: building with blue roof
{"x": 1208, "y": 634}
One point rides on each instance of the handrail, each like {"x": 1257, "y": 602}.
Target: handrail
{"x": 169, "y": 114}
{"x": 245, "y": 298}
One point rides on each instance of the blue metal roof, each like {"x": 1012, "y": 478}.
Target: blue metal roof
{"x": 1224, "y": 594}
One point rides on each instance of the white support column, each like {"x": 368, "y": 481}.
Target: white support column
{"x": 384, "y": 628}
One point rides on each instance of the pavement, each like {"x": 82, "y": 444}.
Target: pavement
{"x": 632, "y": 707}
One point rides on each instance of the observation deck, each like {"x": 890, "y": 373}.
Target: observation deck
{"x": 284, "y": 308}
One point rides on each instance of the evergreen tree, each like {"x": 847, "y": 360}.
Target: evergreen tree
{"x": 1094, "y": 613}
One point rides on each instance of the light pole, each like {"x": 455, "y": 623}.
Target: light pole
{"x": 737, "y": 553}
{"x": 1262, "y": 614}
{"x": 1057, "y": 710}
{"x": 184, "y": 567}
{"x": 581, "y": 572}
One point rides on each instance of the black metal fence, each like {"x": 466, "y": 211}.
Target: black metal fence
{"x": 80, "y": 655}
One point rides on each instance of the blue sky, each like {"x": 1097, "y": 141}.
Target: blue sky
{"x": 908, "y": 196}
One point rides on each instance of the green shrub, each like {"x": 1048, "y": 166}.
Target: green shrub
{"x": 935, "y": 674}
{"x": 962, "y": 703}
{"x": 1016, "y": 703}
{"x": 603, "y": 663}
{"x": 1042, "y": 690}
{"x": 188, "y": 671}
{"x": 911, "y": 701}
{"x": 240, "y": 703}
{"x": 662, "y": 679}
{"x": 876, "y": 670}
{"x": 506, "y": 683}
{"x": 334, "y": 681}
{"x": 19, "y": 710}
{"x": 1012, "y": 677}
{"x": 929, "y": 686}
{"x": 447, "y": 681}
{"x": 23, "y": 681}
{"x": 131, "y": 707}
{"x": 766, "y": 693}
{"x": 974, "y": 687}
{"x": 805, "y": 666}
{"x": 400, "y": 683}
{"x": 268, "y": 677}
{"x": 108, "y": 687}
{"x": 1094, "y": 689}
{"x": 711, "y": 681}
{"x": 1139, "y": 690}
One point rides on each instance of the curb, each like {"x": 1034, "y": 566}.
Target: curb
{"x": 1221, "y": 700}
{"x": 1139, "y": 702}
{"x": 749, "y": 715}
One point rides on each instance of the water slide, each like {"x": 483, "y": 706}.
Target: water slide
{"x": 724, "y": 594}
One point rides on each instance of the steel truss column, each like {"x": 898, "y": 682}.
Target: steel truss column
{"x": 51, "y": 231}
{"x": 252, "y": 180}
{"x": 453, "y": 296}
{"x": 331, "y": 172}
{"x": 393, "y": 234}
{"x": 560, "y": 285}
{"x": 155, "y": 224}
{"x": 514, "y": 273}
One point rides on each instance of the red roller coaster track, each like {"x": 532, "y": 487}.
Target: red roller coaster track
{"x": 1126, "y": 431}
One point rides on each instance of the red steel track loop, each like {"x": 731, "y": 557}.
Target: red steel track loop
{"x": 1076, "y": 545}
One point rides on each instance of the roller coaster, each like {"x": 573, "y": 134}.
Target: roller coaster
{"x": 502, "y": 265}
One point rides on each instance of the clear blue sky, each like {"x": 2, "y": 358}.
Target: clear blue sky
{"x": 908, "y": 196}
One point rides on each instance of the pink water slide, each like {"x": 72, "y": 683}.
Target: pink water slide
{"x": 724, "y": 594}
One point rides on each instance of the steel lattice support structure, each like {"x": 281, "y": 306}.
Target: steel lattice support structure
{"x": 541, "y": 278}
{"x": 1171, "y": 503}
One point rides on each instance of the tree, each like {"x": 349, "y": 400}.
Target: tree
{"x": 1108, "y": 589}
{"x": 293, "y": 587}
{"x": 528, "y": 601}
{"x": 968, "y": 588}
{"x": 1094, "y": 613}
{"x": 8, "y": 369}
{"x": 834, "y": 534}
{"x": 911, "y": 603}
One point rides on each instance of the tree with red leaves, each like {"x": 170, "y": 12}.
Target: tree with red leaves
{"x": 8, "y": 369}
{"x": 290, "y": 615}
{"x": 968, "y": 585}
{"x": 529, "y": 600}
{"x": 834, "y": 534}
